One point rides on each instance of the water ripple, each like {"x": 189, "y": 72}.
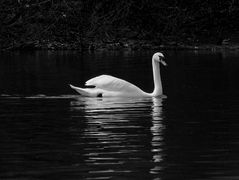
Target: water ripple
{"x": 117, "y": 134}
{"x": 124, "y": 138}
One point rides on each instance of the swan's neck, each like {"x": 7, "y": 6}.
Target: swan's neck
{"x": 158, "y": 90}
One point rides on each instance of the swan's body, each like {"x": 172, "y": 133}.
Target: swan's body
{"x": 108, "y": 86}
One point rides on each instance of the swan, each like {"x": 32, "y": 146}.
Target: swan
{"x": 109, "y": 86}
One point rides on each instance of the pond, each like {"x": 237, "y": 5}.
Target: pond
{"x": 48, "y": 131}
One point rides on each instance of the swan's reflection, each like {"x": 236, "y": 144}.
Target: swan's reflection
{"x": 157, "y": 132}
{"x": 119, "y": 130}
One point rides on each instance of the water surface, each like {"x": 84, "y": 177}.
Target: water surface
{"x": 49, "y": 132}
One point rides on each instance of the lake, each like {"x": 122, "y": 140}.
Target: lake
{"x": 49, "y": 132}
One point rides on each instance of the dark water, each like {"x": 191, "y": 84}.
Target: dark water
{"x": 48, "y": 132}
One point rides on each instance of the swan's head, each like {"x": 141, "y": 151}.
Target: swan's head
{"x": 159, "y": 57}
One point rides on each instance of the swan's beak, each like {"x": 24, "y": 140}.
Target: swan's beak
{"x": 163, "y": 62}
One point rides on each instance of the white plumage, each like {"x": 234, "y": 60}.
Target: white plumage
{"x": 106, "y": 85}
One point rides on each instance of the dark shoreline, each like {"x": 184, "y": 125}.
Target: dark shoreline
{"x": 132, "y": 45}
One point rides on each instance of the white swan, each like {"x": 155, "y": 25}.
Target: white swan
{"x": 109, "y": 86}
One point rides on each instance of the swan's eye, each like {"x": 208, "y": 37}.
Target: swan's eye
{"x": 160, "y": 58}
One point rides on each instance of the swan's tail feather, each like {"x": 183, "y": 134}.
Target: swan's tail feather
{"x": 89, "y": 92}
{"x": 81, "y": 91}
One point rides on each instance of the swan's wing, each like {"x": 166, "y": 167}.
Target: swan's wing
{"x": 110, "y": 83}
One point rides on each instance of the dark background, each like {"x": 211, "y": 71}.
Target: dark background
{"x": 78, "y": 23}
